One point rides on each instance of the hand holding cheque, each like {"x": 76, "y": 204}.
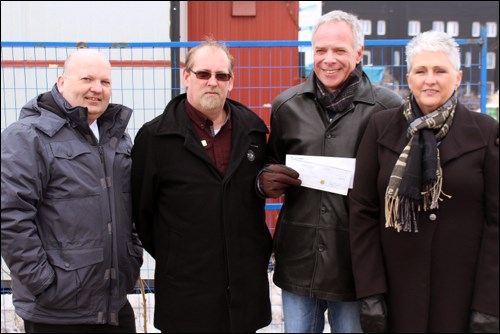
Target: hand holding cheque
{"x": 324, "y": 173}
{"x": 317, "y": 172}
{"x": 275, "y": 179}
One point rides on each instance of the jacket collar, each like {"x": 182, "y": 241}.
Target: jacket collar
{"x": 55, "y": 112}
{"x": 175, "y": 122}
{"x": 364, "y": 93}
{"x": 393, "y": 136}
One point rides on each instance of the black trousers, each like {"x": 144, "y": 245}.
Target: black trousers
{"x": 126, "y": 319}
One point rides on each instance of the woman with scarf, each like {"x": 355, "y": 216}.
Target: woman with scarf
{"x": 424, "y": 206}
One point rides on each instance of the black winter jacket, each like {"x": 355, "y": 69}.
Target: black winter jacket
{"x": 311, "y": 243}
{"x": 207, "y": 231}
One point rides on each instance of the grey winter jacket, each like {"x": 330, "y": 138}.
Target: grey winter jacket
{"x": 67, "y": 231}
{"x": 311, "y": 242}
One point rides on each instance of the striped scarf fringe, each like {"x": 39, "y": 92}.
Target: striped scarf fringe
{"x": 400, "y": 210}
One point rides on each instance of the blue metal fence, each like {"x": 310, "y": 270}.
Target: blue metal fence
{"x": 147, "y": 75}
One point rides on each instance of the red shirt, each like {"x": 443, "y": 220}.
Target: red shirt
{"x": 217, "y": 146}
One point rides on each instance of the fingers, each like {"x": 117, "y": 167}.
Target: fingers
{"x": 276, "y": 179}
{"x": 282, "y": 169}
{"x": 286, "y": 179}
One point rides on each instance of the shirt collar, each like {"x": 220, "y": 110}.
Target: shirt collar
{"x": 201, "y": 120}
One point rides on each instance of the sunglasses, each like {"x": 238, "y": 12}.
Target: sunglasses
{"x": 205, "y": 75}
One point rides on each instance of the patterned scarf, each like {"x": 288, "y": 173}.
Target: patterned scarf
{"x": 340, "y": 100}
{"x": 416, "y": 180}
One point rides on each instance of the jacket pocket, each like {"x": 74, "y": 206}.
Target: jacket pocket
{"x": 132, "y": 271}
{"x": 74, "y": 170}
{"x": 70, "y": 149}
{"x": 123, "y": 161}
{"x": 77, "y": 275}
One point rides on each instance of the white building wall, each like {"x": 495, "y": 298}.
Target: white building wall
{"x": 90, "y": 22}
{"x": 147, "y": 90}
{"x": 86, "y": 21}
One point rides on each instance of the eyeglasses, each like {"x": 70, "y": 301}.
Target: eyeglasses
{"x": 205, "y": 75}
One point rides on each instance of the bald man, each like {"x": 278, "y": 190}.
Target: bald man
{"x": 67, "y": 231}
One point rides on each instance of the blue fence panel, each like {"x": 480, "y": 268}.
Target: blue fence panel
{"x": 147, "y": 75}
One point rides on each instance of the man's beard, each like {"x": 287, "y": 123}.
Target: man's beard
{"x": 211, "y": 102}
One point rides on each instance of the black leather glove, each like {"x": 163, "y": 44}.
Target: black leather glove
{"x": 275, "y": 179}
{"x": 373, "y": 314}
{"x": 483, "y": 323}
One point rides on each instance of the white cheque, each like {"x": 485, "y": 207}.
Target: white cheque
{"x": 330, "y": 174}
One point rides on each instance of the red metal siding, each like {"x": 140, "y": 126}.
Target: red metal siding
{"x": 273, "y": 69}
{"x": 274, "y": 20}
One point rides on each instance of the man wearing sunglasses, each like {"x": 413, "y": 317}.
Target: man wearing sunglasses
{"x": 196, "y": 207}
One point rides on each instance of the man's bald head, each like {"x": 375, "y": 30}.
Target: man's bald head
{"x": 86, "y": 82}
{"x": 89, "y": 55}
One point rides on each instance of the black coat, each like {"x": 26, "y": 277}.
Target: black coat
{"x": 311, "y": 243}
{"x": 434, "y": 278}
{"x": 206, "y": 231}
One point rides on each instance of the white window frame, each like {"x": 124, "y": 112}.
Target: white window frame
{"x": 491, "y": 29}
{"x": 367, "y": 27}
{"x": 467, "y": 59}
{"x": 367, "y": 54}
{"x": 438, "y": 26}
{"x": 396, "y": 58}
{"x": 491, "y": 60}
{"x": 452, "y": 28}
{"x": 476, "y": 29}
{"x": 413, "y": 28}
{"x": 381, "y": 28}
